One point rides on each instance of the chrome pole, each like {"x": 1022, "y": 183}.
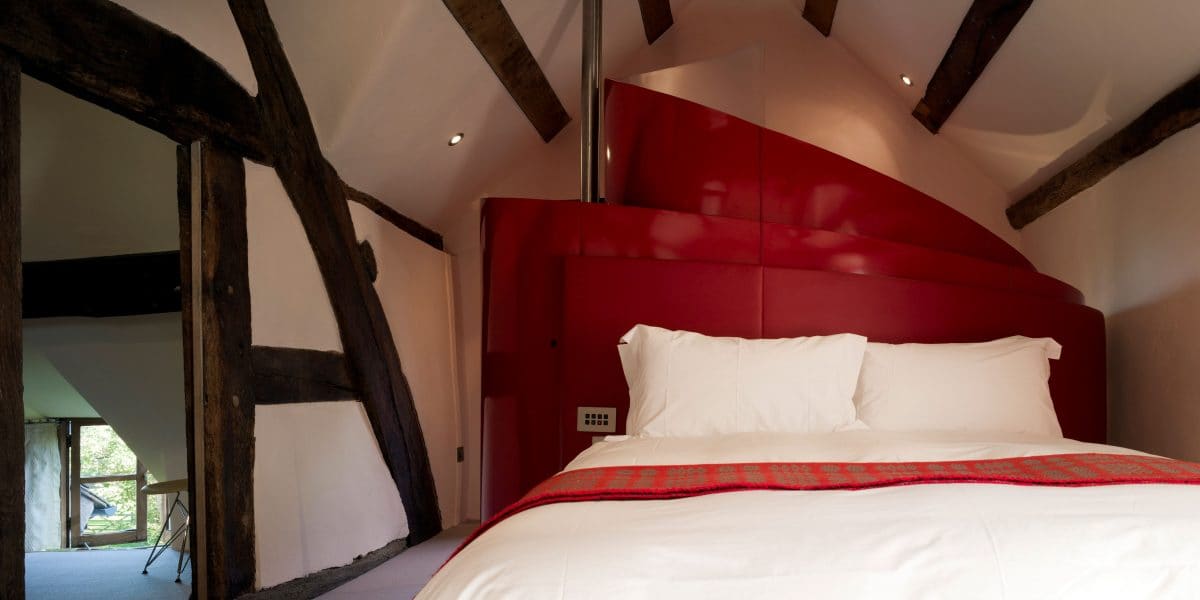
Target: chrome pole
{"x": 590, "y": 101}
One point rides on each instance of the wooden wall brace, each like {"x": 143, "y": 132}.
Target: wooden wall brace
{"x": 317, "y": 194}
{"x": 292, "y": 375}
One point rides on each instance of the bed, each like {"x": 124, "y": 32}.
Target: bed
{"x": 721, "y": 227}
{"x": 912, "y": 541}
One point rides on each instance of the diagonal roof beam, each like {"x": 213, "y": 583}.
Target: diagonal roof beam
{"x": 983, "y": 31}
{"x": 656, "y": 18}
{"x": 492, "y": 31}
{"x": 820, "y": 14}
{"x": 1175, "y": 112}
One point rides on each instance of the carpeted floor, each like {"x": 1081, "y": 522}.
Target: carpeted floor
{"x": 404, "y": 575}
{"x": 103, "y": 574}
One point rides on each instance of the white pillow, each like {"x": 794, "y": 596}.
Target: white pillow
{"x": 1000, "y": 385}
{"x": 687, "y": 384}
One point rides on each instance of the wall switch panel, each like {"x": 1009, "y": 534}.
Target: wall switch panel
{"x": 599, "y": 419}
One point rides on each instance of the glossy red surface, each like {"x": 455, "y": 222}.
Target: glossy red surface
{"x": 674, "y": 154}
{"x": 834, "y": 248}
{"x": 678, "y": 155}
{"x": 791, "y": 246}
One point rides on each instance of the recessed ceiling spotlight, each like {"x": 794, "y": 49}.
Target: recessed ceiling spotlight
{"x": 905, "y": 79}
{"x": 455, "y": 139}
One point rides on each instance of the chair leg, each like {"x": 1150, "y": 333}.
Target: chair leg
{"x": 179, "y": 567}
{"x": 150, "y": 559}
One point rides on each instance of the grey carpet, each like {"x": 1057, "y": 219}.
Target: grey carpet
{"x": 404, "y": 575}
{"x": 103, "y": 574}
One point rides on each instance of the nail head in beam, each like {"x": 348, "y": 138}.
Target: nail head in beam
{"x": 491, "y": 29}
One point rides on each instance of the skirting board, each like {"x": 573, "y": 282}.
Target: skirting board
{"x": 315, "y": 584}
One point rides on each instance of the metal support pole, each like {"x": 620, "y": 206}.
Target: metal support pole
{"x": 590, "y": 101}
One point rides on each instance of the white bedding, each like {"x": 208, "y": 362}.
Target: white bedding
{"x": 918, "y": 541}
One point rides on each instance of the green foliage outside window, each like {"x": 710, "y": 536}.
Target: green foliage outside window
{"x": 102, "y": 452}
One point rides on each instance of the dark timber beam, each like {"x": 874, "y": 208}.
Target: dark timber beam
{"x": 493, "y": 32}
{"x": 318, "y": 196}
{"x": 104, "y": 286}
{"x": 820, "y": 14}
{"x": 12, "y": 428}
{"x": 107, "y": 55}
{"x": 391, "y": 215}
{"x": 656, "y": 18}
{"x": 983, "y": 31}
{"x": 228, "y": 409}
{"x": 291, "y": 375}
{"x": 1175, "y": 112}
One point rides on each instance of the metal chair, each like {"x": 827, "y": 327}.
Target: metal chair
{"x": 178, "y": 486}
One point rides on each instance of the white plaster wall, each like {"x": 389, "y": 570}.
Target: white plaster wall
{"x": 414, "y": 286}
{"x": 1129, "y": 243}
{"x": 129, "y": 370}
{"x": 289, "y": 306}
{"x": 322, "y": 493}
{"x": 763, "y": 62}
{"x": 43, "y": 473}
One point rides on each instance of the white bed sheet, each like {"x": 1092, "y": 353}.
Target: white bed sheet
{"x": 918, "y": 541}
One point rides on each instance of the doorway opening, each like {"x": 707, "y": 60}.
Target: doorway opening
{"x": 103, "y": 360}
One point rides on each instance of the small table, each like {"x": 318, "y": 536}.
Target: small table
{"x": 178, "y": 486}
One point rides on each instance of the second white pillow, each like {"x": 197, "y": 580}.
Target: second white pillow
{"x": 999, "y": 385}
{"x": 686, "y": 384}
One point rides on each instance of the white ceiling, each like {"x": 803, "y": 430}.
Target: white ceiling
{"x": 388, "y": 82}
{"x": 1071, "y": 73}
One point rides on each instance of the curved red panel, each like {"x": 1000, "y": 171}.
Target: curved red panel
{"x": 669, "y": 153}
{"x": 677, "y": 155}
{"x": 811, "y": 187}
{"x": 669, "y": 235}
{"x": 800, "y": 302}
{"x": 801, "y": 248}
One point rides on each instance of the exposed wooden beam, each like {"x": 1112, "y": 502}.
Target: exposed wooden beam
{"x": 391, "y": 215}
{"x": 12, "y": 428}
{"x": 656, "y": 18}
{"x": 983, "y": 31}
{"x": 228, "y": 410}
{"x": 103, "y": 286}
{"x": 1175, "y": 112}
{"x": 493, "y": 32}
{"x": 318, "y": 196}
{"x": 314, "y": 585}
{"x": 292, "y": 375}
{"x": 107, "y": 55}
{"x": 820, "y": 14}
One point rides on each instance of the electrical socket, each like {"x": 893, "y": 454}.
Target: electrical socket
{"x": 598, "y": 419}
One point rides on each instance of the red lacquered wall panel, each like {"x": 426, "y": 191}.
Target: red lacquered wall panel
{"x": 605, "y": 297}
{"x": 811, "y": 187}
{"x": 801, "y": 248}
{"x": 678, "y": 155}
{"x": 523, "y": 249}
{"x": 798, "y": 302}
{"x": 822, "y": 246}
{"x": 669, "y": 235}
{"x": 674, "y": 154}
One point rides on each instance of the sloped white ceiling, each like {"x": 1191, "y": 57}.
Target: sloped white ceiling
{"x": 1071, "y": 74}
{"x": 388, "y": 82}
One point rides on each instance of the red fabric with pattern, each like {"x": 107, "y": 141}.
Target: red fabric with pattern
{"x": 668, "y": 482}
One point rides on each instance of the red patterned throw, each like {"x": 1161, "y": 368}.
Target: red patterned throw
{"x": 682, "y": 481}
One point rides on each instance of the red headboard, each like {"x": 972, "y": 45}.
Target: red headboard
{"x": 563, "y": 280}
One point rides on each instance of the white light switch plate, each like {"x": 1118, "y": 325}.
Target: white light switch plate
{"x": 599, "y": 419}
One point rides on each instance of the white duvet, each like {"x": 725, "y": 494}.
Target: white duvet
{"x": 919, "y": 541}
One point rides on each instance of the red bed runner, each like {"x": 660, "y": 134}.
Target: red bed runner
{"x": 682, "y": 481}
